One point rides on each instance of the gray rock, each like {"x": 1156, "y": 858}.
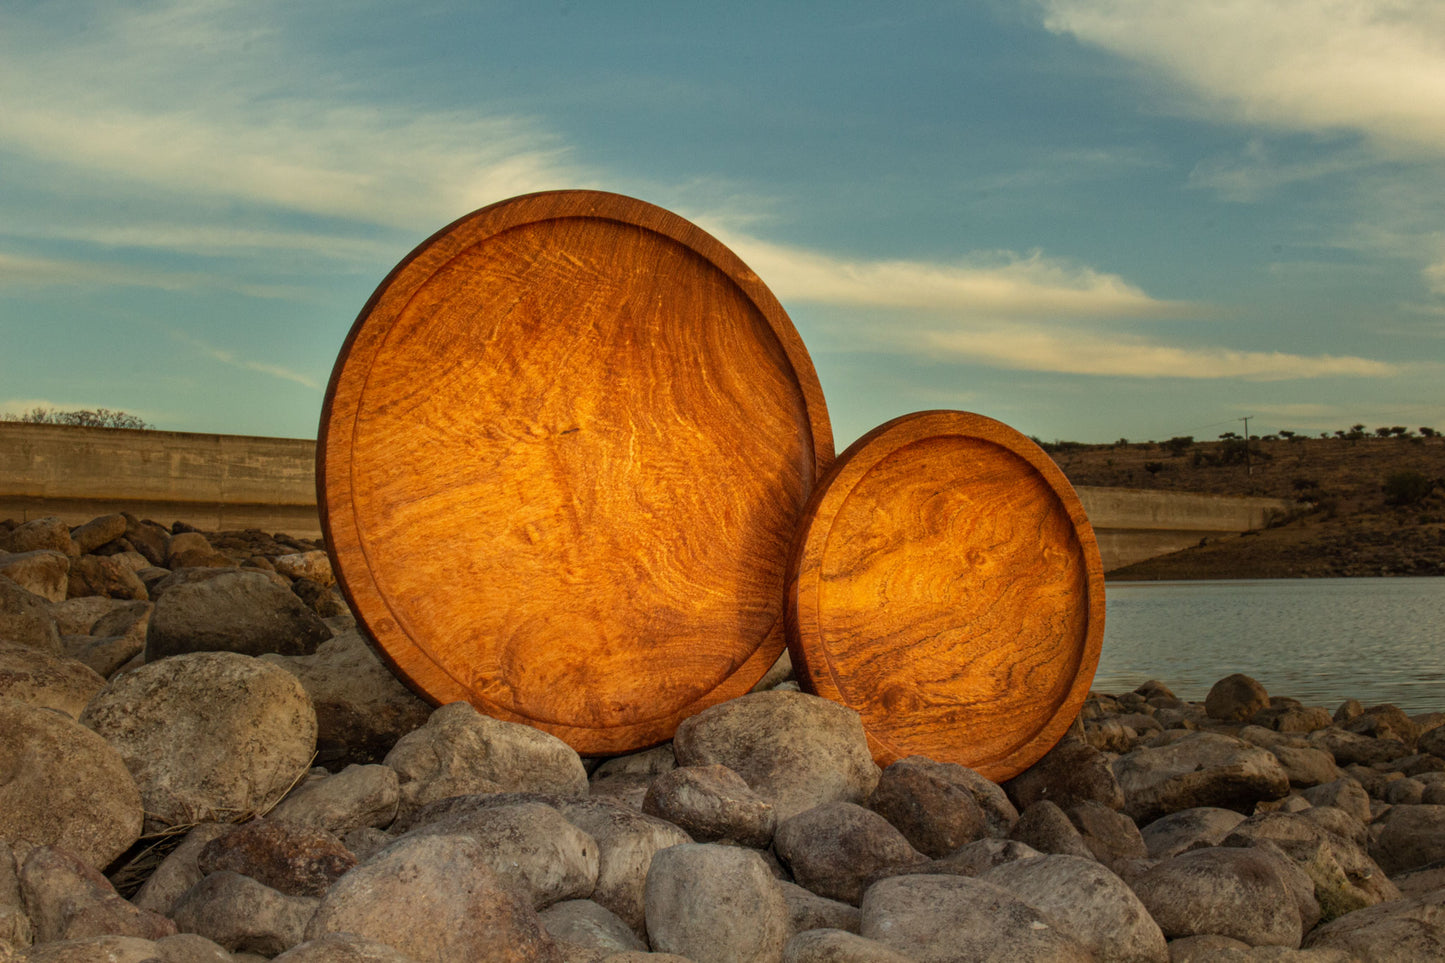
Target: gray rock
{"x": 1404, "y": 931}
{"x": 63, "y": 785}
{"x": 649, "y": 762}
{"x": 1409, "y": 837}
{"x": 930, "y": 803}
{"x": 39, "y": 533}
{"x": 179, "y": 871}
{"x": 362, "y": 709}
{"x": 295, "y": 860}
{"x": 343, "y": 948}
{"x": 1200, "y": 769}
{"x": 1110, "y": 836}
{"x": 190, "y": 948}
{"x": 26, "y": 618}
{"x": 1385, "y": 722}
{"x": 110, "y": 949}
{"x": 240, "y": 913}
{"x": 589, "y": 924}
{"x": 230, "y": 610}
{"x": 45, "y": 573}
{"x": 104, "y": 656}
{"x": 103, "y": 575}
{"x": 699, "y": 893}
{"x": 192, "y": 550}
{"x": 809, "y": 911}
{"x": 66, "y": 899}
{"x": 199, "y": 758}
{"x": 460, "y": 751}
{"x": 1240, "y": 893}
{"x": 1417, "y": 882}
{"x": 998, "y": 813}
{"x": 1235, "y": 698}
{"x": 955, "y": 919}
{"x": 795, "y": 750}
{"x": 982, "y": 855}
{"x": 837, "y": 849}
{"x": 1087, "y": 902}
{"x": 315, "y": 565}
{"x": 627, "y": 840}
{"x": 434, "y": 898}
{"x": 96, "y": 532}
{"x": 38, "y": 678}
{"x": 1345, "y": 794}
{"x": 78, "y": 616}
{"x": 838, "y": 946}
{"x": 1189, "y": 829}
{"x": 1047, "y": 828}
{"x": 530, "y": 845}
{"x": 711, "y": 803}
{"x": 1350, "y": 748}
{"x": 1433, "y": 742}
{"x": 356, "y": 796}
{"x": 1307, "y": 767}
{"x": 1068, "y": 774}
{"x": 15, "y": 927}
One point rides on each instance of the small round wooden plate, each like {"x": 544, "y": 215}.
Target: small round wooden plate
{"x": 946, "y": 584}
{"x": 562, "y": 457}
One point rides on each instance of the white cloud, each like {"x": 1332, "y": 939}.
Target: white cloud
{"x": 1303, "y": 65}
{"x": 231, "y": 359}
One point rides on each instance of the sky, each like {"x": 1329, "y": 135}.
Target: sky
{"x": 1089, "y": 219}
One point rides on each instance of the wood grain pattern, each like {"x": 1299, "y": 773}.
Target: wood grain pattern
{"x": 947, "y": 585}
{"x": 563, "y": 454}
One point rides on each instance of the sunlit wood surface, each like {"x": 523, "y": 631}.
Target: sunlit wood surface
{"x": 947, "y": 585}
{"x": 563, "y": 455}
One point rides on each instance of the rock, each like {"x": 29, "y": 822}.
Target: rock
{"x": 1235, "y": 698}
{"x": 982, "y": 855}
{"x": 1200, "y": 769}
{"x": 354, "y": 797}
{"x": 193, "y": 550}
{"x": 320, "y": 599}
{"x": 1070, "y": 773}
{"x": 96, "y": 532}
{"x": 837, "y": 849}
{"x": 1307, "y": 767}
{"x": 63, "y": 785}
{"x": 711, "y": 803}
{"x": 26, "y": 618}
{"x": 1345, "y": 794}
{"x": 460, "y": 751}
{"x": 1110, "y": 836}
{"x": 40, "y": 679}
{"x": 78, "y": 616}
{"x": 1294, "y": 718}
{"x": 809, "y": 911}
{"x": 1409, "y": 837}
{"x": 199, "y": 758}
{"x": 362, "y": 708}
{"x": 39, "y": 533}
{"x": 147, "y": 538}
{"x": 1239, "y": 893}
{"x": 315, "y": 566}
{"x": 179, "y": 871}
{"x": 1351, "y": 748}
{"x": 1047, "y": 828}
{"x": 103, "y": 656}
{"x": 1188, "y": 829}
{"x": 190, "y": 948}
{"x": 626, "y": 842}
{"x": 110, "y": 949}
{"x": 1385, "y": 722}
{"x": 795, "y": 750}
{"x": 128, "y": 619}
{"x": 1412, "y": 884}
{"x": 838, "y": 946}
{"x": 15, "y": 927}
{"x": 1110, "y": 735}
{"x": 230, "y": 610}
{"x": 434, "y": 898}
{"x": 67, "y": 899}
{"x": 930, "y": 803}
{"x": 530, "y": 845}
{"x": 102, "y": 575}
{"x": 241, "y": 913}
{"x": 698, "y": 893}
{"x": 1088, "y": 903}
{"x": 1433, "y": 742}
{"x": 295, "y": 860}
{"x": 586, "y": 923}
{"x": 1405, "y": 931}
{"x": 343, "y": 948}
{"x": 953, "y": 919}
{"x": 44, "y": 573}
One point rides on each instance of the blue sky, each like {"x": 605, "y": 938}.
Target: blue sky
{"x": 1090, "y": 219}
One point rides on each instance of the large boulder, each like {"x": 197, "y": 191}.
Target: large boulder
{"x": 342, "y": 948}
{"x": 355, "y": 797}
{"x": 39, "y": 533}
{"x": 26, "y": 618}
{"x": 96, "y": 532}
{"x": 1235, "y": 698}
{"x": 585, "y": 923}
{"x": 45, "y": 573}
{"x": 1403, "y": 931}
{"x": 706, "y": 901}
{"x": 795, "y": 750}
{"x": 244, "y": 914}
{"x": 1199, "y": 769}
{"x": 1409, "y": 837}
{"x": 105, "y": 576}
{"x": 1188, "y": 829}
{"x": 295, "y": 860}
{"x": 38, "y": 678}
{"x": 711, "y": 803}
{"x": 460, "y": 751}
{"x": 838, "y": 946}
{"x": 230, "y": 610}
{"x": 63, "y": 785}
{"x": 837, "y": 849}
{"x": 208, "y": 736}
{"x": 1240, "y": 893}
{"x": 68, "y": 899}
{"x": 1070, "y": 773}
{"x": 930, "y": 803}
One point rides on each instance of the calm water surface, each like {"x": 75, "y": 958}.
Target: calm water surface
{"x": 1319, "y": 640}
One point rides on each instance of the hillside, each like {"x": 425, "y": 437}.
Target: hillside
{"x": 1369, "y": 505}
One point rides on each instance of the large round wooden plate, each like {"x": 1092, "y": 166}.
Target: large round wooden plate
{"x": 947, "y": 585}
{"x": 562, "y": 458}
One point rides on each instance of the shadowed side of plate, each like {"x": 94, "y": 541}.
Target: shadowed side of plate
{"x": 564, "y": 452}
{"x": 947, "y": 585}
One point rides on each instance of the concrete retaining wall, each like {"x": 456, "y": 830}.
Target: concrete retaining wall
{"x": 227, "y": 482}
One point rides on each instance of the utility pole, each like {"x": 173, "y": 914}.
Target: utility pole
{"x": 1248, "y": 467}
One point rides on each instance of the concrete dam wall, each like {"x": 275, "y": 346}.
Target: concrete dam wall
{"x": 228, "y": 482}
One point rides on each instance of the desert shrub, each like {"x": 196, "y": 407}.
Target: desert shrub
{"x": 1407, "y": 487}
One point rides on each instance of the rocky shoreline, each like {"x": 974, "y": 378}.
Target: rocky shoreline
{"x": 202, "y": 760}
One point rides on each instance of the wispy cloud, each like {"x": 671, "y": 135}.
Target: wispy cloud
{"x": 233, "y": 360}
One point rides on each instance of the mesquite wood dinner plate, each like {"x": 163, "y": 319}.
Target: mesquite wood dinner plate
{"x": 562, "y": 458}
{"x": 947, "y": 585}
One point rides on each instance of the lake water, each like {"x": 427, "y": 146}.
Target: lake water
{"x": 1319, "y": 640}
